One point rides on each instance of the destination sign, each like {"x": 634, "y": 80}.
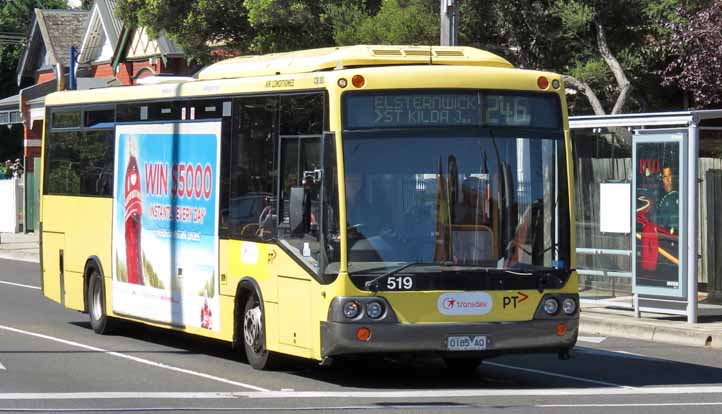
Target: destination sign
{"x": 453, "y": 109}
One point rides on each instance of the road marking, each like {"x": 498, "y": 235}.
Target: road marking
{"x": 2, "y": 367}
{"x": 554, "y": 374}
{"x": 375, "y": 407}
{"x": 680, "y": 404}
{"x": 19, "y": 284}
{"x": 117, "y": 395}
{"x": 592, "y": 339}
{"x": 406, "y": 394}
{"x": 133, "y": 358}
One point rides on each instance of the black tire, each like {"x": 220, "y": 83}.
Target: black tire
{"x": 99, "y": 319}
{"x": 466, "y": 365}
{"x": 254, "y": 331}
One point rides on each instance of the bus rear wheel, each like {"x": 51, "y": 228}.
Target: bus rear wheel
{"x": 99, "y": 319}
{"x": 254, "y": 337}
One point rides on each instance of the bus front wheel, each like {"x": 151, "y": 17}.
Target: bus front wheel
{"x": 254, "y": 337}
{"x": 99, "y": 320}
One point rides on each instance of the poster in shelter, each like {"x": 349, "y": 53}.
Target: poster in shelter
{"x": 657, "y": 214}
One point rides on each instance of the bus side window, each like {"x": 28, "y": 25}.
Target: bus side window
{"x": 250, "y": 213}
{"x": 79, "y": 163}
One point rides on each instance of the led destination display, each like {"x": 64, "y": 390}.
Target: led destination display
{"x": 452, "y": 109}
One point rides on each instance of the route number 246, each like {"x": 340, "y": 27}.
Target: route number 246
{"x": 399, "y": 283}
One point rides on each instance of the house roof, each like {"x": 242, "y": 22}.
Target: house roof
{"x": 56, "y": 31}
{"x": 103, "y": 27}
{"x": 135, "y": 43}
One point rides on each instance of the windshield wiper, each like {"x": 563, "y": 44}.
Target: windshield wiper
{"x": 373, "y": 284}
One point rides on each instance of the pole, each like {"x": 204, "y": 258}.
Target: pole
{"x": 693, "y": 139}
{"x": 71, "y": 72}
{"x": 449, "y": 23}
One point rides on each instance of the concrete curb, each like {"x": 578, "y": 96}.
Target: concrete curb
{"x": 675, "y": 333}
{"x": 30, "y": 258}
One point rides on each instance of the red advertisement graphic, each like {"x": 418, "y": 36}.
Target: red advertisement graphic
{"x": 133, "y": 213}
{"x": 657, "y": 214}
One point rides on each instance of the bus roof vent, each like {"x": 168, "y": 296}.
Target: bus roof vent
{"x": 417, "y": 52}
{"x": 446, "y": 52}
{"x": 386, "y": 52}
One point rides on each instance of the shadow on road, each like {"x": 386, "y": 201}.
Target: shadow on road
{"x": 590, "y": 367}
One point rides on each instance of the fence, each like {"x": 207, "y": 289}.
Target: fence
{"x": 11, "y": 206}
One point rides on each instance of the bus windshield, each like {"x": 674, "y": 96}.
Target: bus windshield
{"x": 462, "y": 196}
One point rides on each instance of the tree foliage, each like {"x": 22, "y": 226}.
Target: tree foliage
{"x": 410, "y": 22}
{"x": 697, "y": 43}
{"x": 612, "y": 52}
{"x": 196, "y": 25}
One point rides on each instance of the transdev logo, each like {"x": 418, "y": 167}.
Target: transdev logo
{"x": 464, "y": 303}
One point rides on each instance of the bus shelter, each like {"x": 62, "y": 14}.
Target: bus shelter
{"x": 648, "y": 196}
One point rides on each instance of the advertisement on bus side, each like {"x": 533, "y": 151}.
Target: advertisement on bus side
{"x": 165, "y": 223}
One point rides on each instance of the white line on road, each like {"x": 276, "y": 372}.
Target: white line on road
{"x": 373, "y": 407}
{"x": 592, "y": 339}
{"x": 406, "y": 394}
{"x": 133, "y": 358}
{"x": 554, "y": 374}
{"x": 19, "y": 284}
{"x": 679, "y": 404}
{"x": 2, "y": 367}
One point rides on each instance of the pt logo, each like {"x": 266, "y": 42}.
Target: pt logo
{"x": 449, "y": 303}
{"x": 513, "y": 301}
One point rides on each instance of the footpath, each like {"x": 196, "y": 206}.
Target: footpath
{"x": 19, "y": 246}
{"x": 596, "y": 320}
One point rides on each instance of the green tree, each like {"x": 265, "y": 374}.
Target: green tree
{"x": 413, "y": 22}
{"x": 611, "y": 51}
{"x": 196, "y": 26}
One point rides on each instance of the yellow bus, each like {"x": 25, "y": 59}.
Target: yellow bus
{"x": 326, "y": 203}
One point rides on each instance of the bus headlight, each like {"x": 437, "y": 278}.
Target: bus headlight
{"x": 569, "y": 306}
{"x": 374, "y": 310}
{"x": 351, "y": 309}
{"x": 551, "y": 306}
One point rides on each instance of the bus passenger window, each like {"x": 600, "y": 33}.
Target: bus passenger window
{"x": 302, "y": 114}
{"x": 103, "y": 118}
{"x": 66, "y": 119}
{"x": 250, "y": 214}
{"x": 79, "y": 163}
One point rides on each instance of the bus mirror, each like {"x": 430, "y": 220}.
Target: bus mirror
{"x": 297, "y": 209}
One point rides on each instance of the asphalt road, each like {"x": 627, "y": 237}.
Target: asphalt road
{"x": 51, "y": 361}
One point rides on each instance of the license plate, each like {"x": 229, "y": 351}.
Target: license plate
{"x": 466, "y": 343}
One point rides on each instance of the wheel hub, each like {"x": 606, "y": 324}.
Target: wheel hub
{"x": 252, "y": 328}
{"x": 97, "y": 310}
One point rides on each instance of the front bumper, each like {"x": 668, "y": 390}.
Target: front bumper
{"x": 339, "y": 338}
